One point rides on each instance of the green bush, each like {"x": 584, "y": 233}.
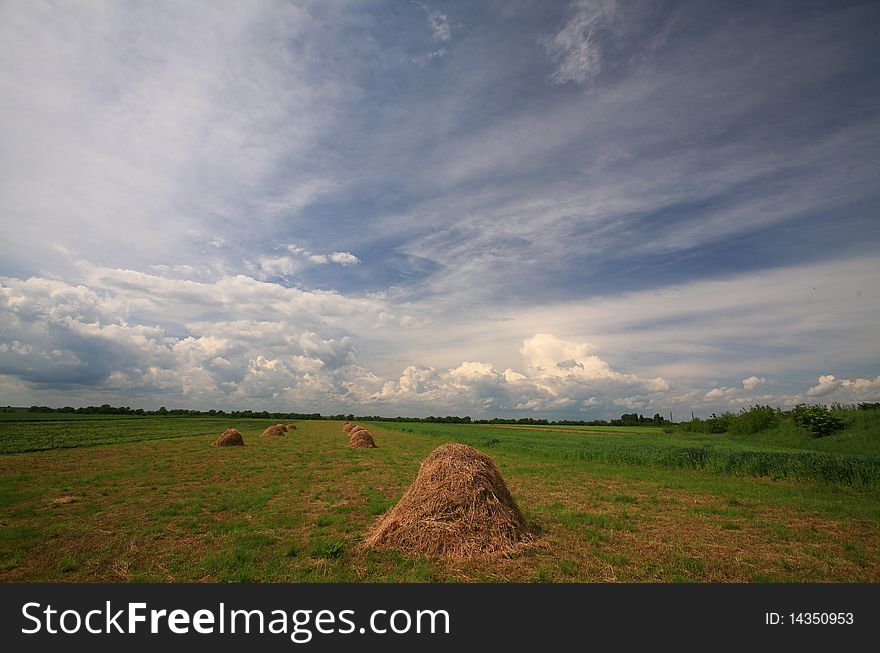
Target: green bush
{"x": 753, "y": 420}
{"x": 817, "y": 419}
{"x": 720, "y": 423}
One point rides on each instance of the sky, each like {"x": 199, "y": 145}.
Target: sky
{"x": 568, "y": 210}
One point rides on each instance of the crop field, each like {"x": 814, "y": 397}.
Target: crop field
{"x": 147, "y": 499}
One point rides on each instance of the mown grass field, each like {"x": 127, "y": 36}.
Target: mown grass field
{"x": 155, "y": 502}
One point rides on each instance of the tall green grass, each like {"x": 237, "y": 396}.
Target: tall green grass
{"x": 732, "y": 455}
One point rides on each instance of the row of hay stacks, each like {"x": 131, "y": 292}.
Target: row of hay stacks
{"x": 458, "y": 507}
{"x": 358, "y": 436}
{"x": 232, "y": 437}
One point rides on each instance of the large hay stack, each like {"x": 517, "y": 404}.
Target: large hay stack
{"x": 458, "y": 507}
{"x": 229, "y": 438}
{"x": 278, "y": 429}
{"x": 361, "y": 440}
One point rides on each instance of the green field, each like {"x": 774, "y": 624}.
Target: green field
{"x": 153, "y": 501}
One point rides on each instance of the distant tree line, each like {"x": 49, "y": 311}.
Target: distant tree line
{"x": 633, "y": 419}
{"x": 818, "y": 419}
{"x": 107, "y": 409}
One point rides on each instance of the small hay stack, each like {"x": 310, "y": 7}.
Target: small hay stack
{"x": 275, "y": 430}
{"x": 354, "y": 429}
{"x": 347, "y": 427}
{"x": 361, "y": 440}
{"x": 282, "y": 427}
{"x": 458, "y": 507}
{"x": 291, "y": 427}
{"x": 229, "y": 438}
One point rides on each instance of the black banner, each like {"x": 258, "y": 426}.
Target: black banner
{"x": 433, "y": 617}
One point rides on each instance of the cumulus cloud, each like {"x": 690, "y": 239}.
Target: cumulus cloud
{"x": 121, "y": 334}
{"x": 830, "y": 388}
{"x": 719, "y": 393}
{"x": 753, "y": 382}
{"x": 279, "y": 266}
{"x": 343, "y": 258}
{"x": 340, "y": 258}
{"x": 550, "y": 358}
{"x": 242, "y": 342}
{"x": 556, "y": 375}
{"x": 296, "y": 259}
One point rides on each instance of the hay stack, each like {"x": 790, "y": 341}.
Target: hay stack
{"x": 282, "y": 427}
{"x": 229, "y": 438}
{"x": 458, "y": 507}
{"x": 278, "y": 429}
{"x": 291, "y": 427}
{"x": 361, "y": 440}
{"x": 347, "y": 427}
{"x": 354, "y": 429}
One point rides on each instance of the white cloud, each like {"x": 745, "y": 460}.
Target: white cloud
{"x": 439, "y": 26}
{"x": 124, "y": 124}
{"x": 57, "y": 336}
{"x": 753, "y": 382}
{"x": 270, "y": 266}
{"x": 719, "y": 393}
{"x": 279, "y": 266}
{"x": 830, "y": 388}
{"x": 576, "y": 47}
{"x": 543, "y": 386}
{"x": 276, "y": 345}
{"x": 344, "y": 258}
{"x": 438, "y": 22}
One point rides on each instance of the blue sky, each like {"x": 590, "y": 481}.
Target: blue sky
{"x": 561, "y": 209}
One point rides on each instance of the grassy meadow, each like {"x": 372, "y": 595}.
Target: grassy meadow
{"x": 147, "y": 499}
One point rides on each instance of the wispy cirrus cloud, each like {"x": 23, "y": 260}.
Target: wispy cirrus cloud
{"x": 576, "y": 47}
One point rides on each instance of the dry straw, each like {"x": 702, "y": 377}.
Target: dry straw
{"x": 229, "y": 438}
{"x": 291, "y": 427}
{"x": 348, "y": 426}
{"x": 278, "y": 429}
{"x": 361, "y": 440}
{"x": 458, "y": 507}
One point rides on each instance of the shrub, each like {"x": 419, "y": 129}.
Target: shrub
{"x": 720, "y": 423}
{"x": 753, "y": 420}
{"x": 817, "y": 419}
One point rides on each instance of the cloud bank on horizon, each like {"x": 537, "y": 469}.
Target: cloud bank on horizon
{"x": 567, "y": 209}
